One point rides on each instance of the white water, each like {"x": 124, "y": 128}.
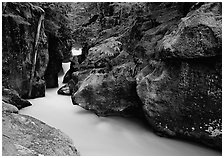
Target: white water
{"x": 108, "y": 136}
{"x": 76, "y": 51}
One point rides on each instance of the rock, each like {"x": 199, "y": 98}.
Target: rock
{"x": 73, "y": 81}
{"x": 122, "y": 58}
{"x": 182, "y": 91}
{"x": 55, "y": 61}
{"x": 26, "y": 136}
{"x": 79, "y": 76}
{"x": 199, "y": 34}
{"x": 9, "y": 108}
{"x": 110, "y": 93}
{"x": 19, "y": 24}
{"x": 68, "y": 88}
{"x": 64, "y": 90}
{"x": 67, "y": 76}
{"x": 100, "y": 56}
{"x": 12, "y": 97}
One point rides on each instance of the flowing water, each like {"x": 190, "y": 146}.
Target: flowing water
{"x": 108, "y": 136}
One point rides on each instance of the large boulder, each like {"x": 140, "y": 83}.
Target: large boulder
{"x": 199, "y": 34}
{"x": 26, "y": 136}
{"x": 112, "y": 93}
{"x": 19, "y": 27}
{"x": 182, "y": 92}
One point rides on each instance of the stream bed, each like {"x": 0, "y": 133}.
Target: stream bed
{"x": 106, "y": 136}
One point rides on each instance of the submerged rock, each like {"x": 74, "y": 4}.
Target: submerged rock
{"x": 26, "y": 136}
{"x": 182, "y": 93}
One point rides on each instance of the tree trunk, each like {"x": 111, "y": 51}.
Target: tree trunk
{"x": 35, "y": 50}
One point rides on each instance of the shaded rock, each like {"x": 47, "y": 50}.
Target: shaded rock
{"x": 19, "y": 23}
{"x": 55, "y": 61}
{"x": 68, "y": 88}
{"x": 67, "y": 76}
{"x": 26, "y": 136}
{"x": 183, "y": 99}
{"x": 64, "y": 90}
{"x": 74, "y": 66}
{"x": 182, "y": 92}
{"x": 110, "y": 93}
{"x": 74, "y": 81}
{"x": 12, "y": 97}
{"x": 100, "y": 55}
{"x": 198, "y": 35}
{"x": 164, "y": 12}
{"x": 122, "y": 58}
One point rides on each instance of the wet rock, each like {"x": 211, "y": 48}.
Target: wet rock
{"x": 26, "y": 136}
{"x": 74, "y": 82}
{"x": 55, "y": 61}
{"x": 67, "y": 76}
{"x": 74, "y": 67}
{"x": 68, "y": 88}
{"x": 64, "y": 90}
{"x": 110, "y": 93}
{"x": 20, "y": 22}
{"x": 12, "y": 97}
{"x": 181, "y": 92}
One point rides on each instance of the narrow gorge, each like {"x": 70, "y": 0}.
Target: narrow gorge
{"x": 111, "y": 78}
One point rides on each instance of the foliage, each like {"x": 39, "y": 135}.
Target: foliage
{"x": 110, "y": 47}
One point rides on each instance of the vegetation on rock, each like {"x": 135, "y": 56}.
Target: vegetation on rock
{"x": 158, "y": 60}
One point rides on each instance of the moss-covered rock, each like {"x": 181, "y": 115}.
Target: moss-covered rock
{"x": 19, "y": 24}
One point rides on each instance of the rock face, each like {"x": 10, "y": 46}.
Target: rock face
{"x": 59, "y": 36}
{"x": 20, "y": 21}
{"x": 27, "y": 136}
{"x": 199, "y": 35}
{"x": 55, "y": 62}
{"x": 182, "y": 93}
{"x": 169, "y": 57}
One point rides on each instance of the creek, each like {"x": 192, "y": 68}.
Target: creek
{"x": 107, "y": 136}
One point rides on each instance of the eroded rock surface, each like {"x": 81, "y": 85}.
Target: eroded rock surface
{"x": 26, "y": 136}
{"x": 182, "y": 93}
{"x": 109, "y": 93}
